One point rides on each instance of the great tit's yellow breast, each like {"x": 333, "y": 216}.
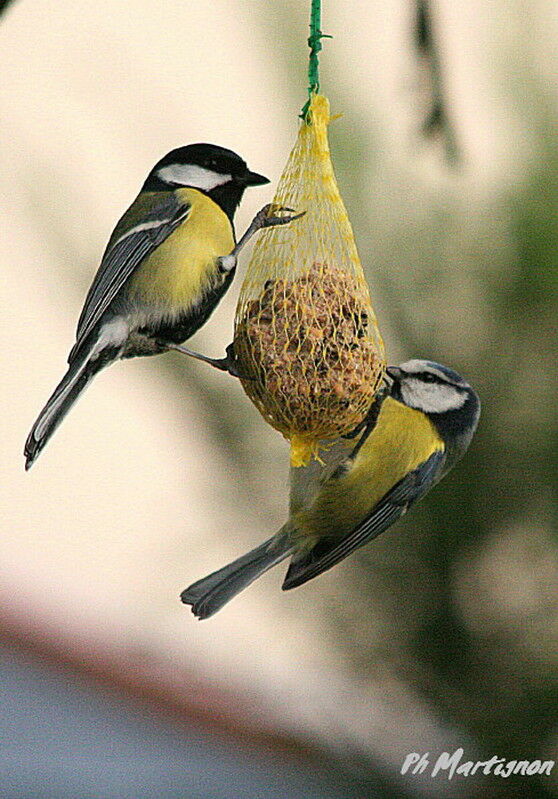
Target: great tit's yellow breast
{"x": 184, "y": 266}
{"x": 402, "y": 439}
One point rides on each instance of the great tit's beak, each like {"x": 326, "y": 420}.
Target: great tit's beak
{"x": 253, "y": 179}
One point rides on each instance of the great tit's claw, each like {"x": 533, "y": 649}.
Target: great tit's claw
{"x": 232, "y": 369}
{"x": 232, "y": 366}
{"x": 273, "y": 221}
{"x": 268, "y": 216}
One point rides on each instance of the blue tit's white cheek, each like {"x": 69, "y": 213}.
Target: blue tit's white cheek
{"x": 198, "y": 177}
{"x": 431, "y": 397}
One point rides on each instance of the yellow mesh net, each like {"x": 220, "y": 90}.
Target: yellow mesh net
{"x": 306, "y": 338}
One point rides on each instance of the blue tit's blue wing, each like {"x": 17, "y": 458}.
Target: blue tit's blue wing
{"x": 327, "y": 552}
{"x": 125, "y": 252}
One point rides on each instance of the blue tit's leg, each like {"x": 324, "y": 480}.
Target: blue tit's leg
{"x": 265, "y": 218}
{"x": 368, "y": 423}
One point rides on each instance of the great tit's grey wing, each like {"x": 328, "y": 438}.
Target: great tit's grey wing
{"x": 124, "y": 254}
{"x": 326, "y": 553}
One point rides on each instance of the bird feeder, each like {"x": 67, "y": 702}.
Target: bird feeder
{"x": 306, "y": 339}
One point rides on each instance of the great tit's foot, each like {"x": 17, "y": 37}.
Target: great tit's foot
{"x": 233, "y": 367}
{"x": 268, "y": 216}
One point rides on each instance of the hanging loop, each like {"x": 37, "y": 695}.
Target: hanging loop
{"x": 315, "y": 45}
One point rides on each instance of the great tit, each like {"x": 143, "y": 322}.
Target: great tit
{"x": 170, "y": 259}
{"x": 414, "y": 435}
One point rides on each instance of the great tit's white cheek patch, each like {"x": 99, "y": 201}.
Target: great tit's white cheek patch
{"x": 431, "y": 397}
{"x": 198, "y": 177}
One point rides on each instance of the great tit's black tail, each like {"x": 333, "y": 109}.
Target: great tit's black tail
{"x": 80, "y": 372}
{"x": 209, "y": 594}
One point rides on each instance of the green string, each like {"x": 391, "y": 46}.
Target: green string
{"x": 315, "y": 45}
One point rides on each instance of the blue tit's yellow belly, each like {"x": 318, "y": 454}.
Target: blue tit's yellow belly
{"x": 402, "y": 439}
{"x": 184, "y": 267}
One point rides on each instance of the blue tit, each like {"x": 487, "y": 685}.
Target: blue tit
{"x": 416, "y": 432}
{"x": 170, "y": 259}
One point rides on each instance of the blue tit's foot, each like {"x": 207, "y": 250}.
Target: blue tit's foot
{"x": 368, "y": 423}
{"x": 357, "y": 430}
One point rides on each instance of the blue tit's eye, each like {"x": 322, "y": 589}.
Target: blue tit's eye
{"x": 428, "y": 378}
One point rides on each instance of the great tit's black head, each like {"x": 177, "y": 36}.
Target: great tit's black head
{"x": 438, "y": 391}
{"x": 220, "y": 173}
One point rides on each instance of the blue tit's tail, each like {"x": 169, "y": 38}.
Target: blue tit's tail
{"x": 80, "y": 372}
{"x": 209, "y": 594}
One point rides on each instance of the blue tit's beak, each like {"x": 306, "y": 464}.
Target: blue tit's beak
{"x": 253, "y": 179}
{"x": 394, "y": 372}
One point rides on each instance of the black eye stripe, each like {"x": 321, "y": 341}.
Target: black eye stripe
{"x": 429, "y": 377}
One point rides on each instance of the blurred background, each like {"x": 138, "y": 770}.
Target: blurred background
{"x": 443, "y": 632}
